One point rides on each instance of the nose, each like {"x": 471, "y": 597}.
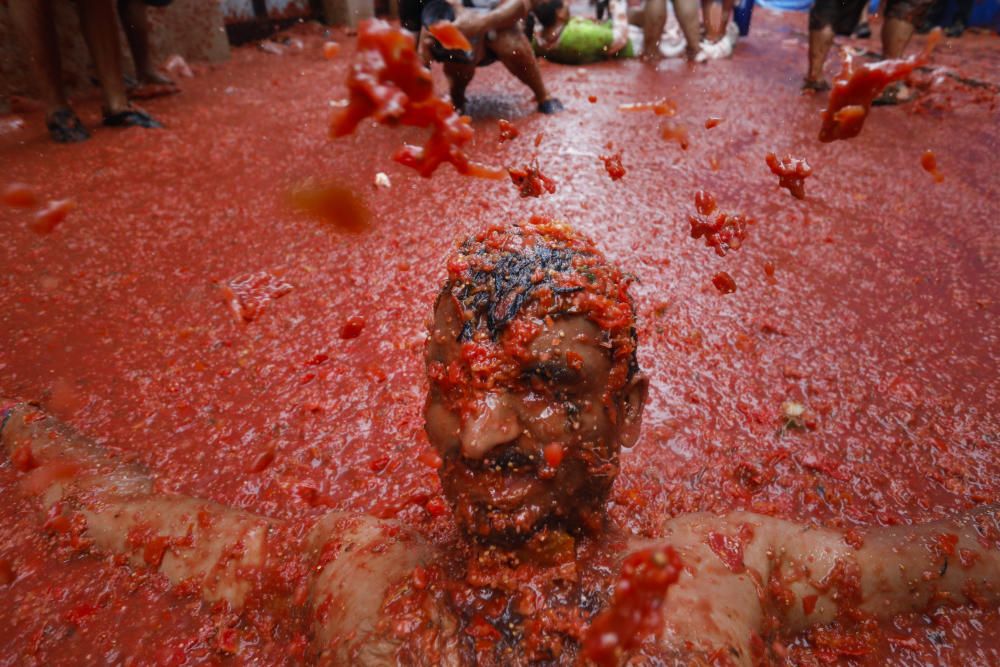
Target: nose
{"x": 494, "y": 423}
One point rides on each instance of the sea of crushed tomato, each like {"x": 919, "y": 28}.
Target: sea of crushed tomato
{"x": 873, "y": 304}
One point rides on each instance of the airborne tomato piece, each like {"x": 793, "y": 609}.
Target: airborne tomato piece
{"x": 449, "y": 36}
{"x": 19, "y": 195}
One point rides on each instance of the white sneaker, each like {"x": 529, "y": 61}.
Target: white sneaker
{"x": 672, "y": 43}
{"x": 733, "y": 33}
{"x": 724, "y": 48}
{"x": 635, "y": 36}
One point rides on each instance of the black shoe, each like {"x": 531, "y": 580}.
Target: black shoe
{"x": 65, "y": 127}
{"x": 131, "y": 118}
{"x": 550, "y": 106}
{"x": 863, "y": 31}
{"x": 955, "y": 29}
{"x": 925, "y": 28}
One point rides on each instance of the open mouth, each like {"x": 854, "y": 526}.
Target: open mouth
{"x": 510, "y": 460}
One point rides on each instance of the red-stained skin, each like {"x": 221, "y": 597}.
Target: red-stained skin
{"x": 114, "y": 321}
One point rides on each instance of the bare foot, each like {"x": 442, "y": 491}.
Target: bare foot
{"x": 154, "y": 78}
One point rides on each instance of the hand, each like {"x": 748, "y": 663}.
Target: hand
{"x": 618, "y": 42}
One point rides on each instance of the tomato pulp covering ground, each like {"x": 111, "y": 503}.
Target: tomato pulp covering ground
{"x": 871, "y": 304}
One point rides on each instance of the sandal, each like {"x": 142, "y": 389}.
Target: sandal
{"x": 65, "y": 127}
{"x": 131, "y": 118}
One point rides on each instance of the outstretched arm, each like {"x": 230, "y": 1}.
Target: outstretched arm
{"x": 111, "y": 507}
{"x": 748, "y": 576}
{"x": 341, "y": 571}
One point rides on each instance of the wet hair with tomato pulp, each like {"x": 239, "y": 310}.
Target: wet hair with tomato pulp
{"x": 537, "y": 269}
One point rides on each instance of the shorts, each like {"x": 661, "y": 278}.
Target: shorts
{"x": 911, "y": 11}
{"x": 841, "y": 15}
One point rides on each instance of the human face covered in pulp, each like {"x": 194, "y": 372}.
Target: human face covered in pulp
{"x": 531, "y": 440}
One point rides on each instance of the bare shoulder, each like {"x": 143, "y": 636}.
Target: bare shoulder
{"x": 362, "y": 565}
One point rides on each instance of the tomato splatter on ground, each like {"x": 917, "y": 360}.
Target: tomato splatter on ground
{"x": 530, "y": 181}
{"x": 722, "y": 231}
{"x": 19, "y": 195}
{"x": 635, "y": 611}
{"x": 857, "y": 86}
{"x": 508, "y": 130}
{"x": 663, "y": 107}
{"x": 929, "y": 162}
{"x": 121, "y": 304}
{"x": 50, "y": 216}
{"x": 724, "y": 283}
{"x": 613, "y": 165}
{"x": 332, "y": 204}
{"x": 592, "y": 99}
{"x": 248, "y": 295}
{"x": 712, "y": 121}
{"x": 675, "y": 132}
{"x": 331, "y": 50}
{"x": 389, "y": 83}
{"x": 792, "y": 173}
{"x": 352, "y": 328}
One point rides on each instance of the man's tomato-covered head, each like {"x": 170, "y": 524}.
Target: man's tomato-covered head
{"x": 534, "y": 385}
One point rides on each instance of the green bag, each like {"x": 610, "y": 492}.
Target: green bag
{"x": 584, "y": 41}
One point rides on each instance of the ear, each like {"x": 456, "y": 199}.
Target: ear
{"x": 632, "y": 402}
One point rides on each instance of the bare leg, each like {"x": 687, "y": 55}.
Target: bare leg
{"x": 514, "y": 50}
{"x": 727, "y": 16}
{"x": 652, "y": 29}
{"x": 820, "y": 42}
{"x": 687, "y": 17}
{"x": 136, "y": 26}
{"x": 896, "y": 34}
{"x": 708, "y": 17}
{"x": 33, "y": 22}
{"x": 459, "y": 77}
{"x": 99, "y": 23}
